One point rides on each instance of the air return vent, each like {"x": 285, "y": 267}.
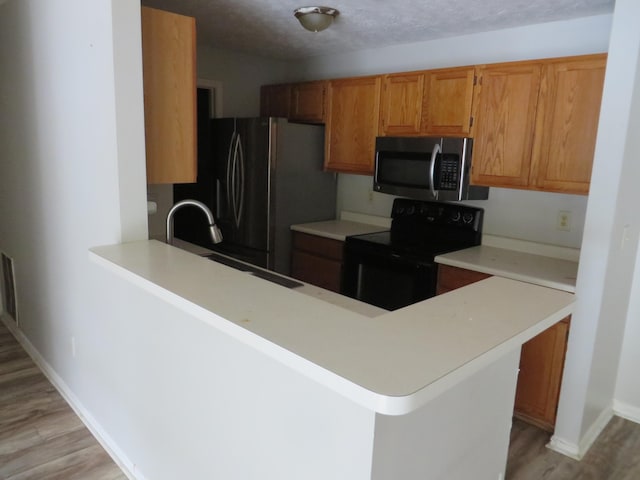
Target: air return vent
{"x": 9, "y": 304}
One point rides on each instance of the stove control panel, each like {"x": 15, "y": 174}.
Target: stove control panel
{"x": 410, "y": 212}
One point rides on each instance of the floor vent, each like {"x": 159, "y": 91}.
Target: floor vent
{"x": 9, "y": 304}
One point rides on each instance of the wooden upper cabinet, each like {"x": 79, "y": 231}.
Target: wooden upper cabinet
{"x": 401, "y": 103}
{"x": 447, "y": 101}
{"x": 567, "y": 124}
{"x": 536, "y": 123}
{"x": 430, "y": 102}
{"x": 505, "y": 112}
{"x": 275, "y": 100}
{"x": 169, "y": 76}
{"x": 308, "y": 102}
{"x": 352, "y": 124}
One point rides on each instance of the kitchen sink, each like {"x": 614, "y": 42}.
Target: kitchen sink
{"x": 255, "y": 271}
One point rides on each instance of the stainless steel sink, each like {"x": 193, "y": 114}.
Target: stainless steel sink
{"x": 255, "y": 271}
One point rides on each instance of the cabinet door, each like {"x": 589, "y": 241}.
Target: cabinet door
{"x": 308, "y": 102}
{"x": 567, "y": 124}
{"x": 275, "y": 100}
{"x": 352, "y": 124}
{"x": 447, "y": 101}
{"x": 541, "y": 366}
{"x": 504, "y": 123}
{"x": 317, "y": 260}
{"x": 401, "y": 104}
{"x": 451, "y": 278}
{"x": 169, "y": 76}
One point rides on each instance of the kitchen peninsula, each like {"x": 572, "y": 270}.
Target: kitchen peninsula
{"x": 320, "y": 391}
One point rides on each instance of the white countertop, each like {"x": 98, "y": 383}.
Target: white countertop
{"x": 337, "y": 229}
{"x": 312, "y": 290}
{"x": 526, "y": 267}
{"x": 391, "y": 364}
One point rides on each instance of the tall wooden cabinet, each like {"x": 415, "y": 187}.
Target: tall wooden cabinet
{"x": 536, "y": 123}
{"x": 169, "y": 76}
{"x": 352, "y": 124}
{"x": 541, "y": 359}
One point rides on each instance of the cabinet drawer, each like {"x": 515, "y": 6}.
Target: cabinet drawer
{"x": 320, "y": 271}
{"x": 323, "y": 247}
{"x": 450, "y": 278}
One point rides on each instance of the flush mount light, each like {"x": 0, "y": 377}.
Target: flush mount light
{"x": 315, "y": 19}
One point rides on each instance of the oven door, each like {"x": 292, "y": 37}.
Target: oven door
{"x": 387, "y": 280}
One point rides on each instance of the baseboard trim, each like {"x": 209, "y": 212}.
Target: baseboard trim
{"x": 626, "y": 411}
{"x": 577, "y": 451}
{"x": 103, "y": 438}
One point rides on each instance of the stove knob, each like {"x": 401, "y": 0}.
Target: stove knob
{"x": 455, "y": 216}
{"x": 467, "y": 217}
{"x": 411, "y": 210}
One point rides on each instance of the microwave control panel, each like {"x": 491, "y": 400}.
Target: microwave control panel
{"x": 448, "y": 172}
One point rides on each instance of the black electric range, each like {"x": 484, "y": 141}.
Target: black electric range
{"x": 396, "y": 268}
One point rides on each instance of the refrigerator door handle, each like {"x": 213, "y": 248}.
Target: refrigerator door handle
{"x": 229, "y": 185}
{"x": 240, "y": 181}
{"x": 234, "y": 181}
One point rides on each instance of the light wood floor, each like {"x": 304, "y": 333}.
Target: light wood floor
{"x": 42, "y": 439}
{"x": 615, "y": 455}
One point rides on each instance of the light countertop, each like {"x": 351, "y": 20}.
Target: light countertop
{"x": 312, "y": 290}
{"x": 526, "y": 267}
{"x": 337, "y": 229}
{"x": 392, "y": 363}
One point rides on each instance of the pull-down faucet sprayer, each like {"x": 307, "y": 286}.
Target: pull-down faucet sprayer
{"x": 216, "y": 234}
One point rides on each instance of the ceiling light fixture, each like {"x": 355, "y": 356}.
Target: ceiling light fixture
{"x": 315, "y": 19}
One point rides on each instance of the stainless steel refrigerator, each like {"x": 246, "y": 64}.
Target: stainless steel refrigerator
{"x": 259, "y": 176}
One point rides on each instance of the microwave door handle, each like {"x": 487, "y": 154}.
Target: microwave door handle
{"x": 432, "y": 168}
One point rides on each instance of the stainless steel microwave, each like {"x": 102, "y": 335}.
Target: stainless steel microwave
{"x": 426, "y": 168}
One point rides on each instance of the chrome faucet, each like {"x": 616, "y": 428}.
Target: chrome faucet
{"x": 216, "y": 234}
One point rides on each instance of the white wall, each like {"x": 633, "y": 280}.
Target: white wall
{"x": 518, "y": 214}
{"x": 72, "y": 149}
{"x": 241, "y": 76}
{"x": 604, "y": 284}
{"x": 628, "y": 386}
{"x": 627, "y": 394}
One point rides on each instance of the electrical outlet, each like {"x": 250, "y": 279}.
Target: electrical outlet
{"x": 563, "y": 221}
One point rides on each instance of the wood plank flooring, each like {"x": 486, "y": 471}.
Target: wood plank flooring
{"x": 615, "y": 455}
{"x": 42, "y": 439}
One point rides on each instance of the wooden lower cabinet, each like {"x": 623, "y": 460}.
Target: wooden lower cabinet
{"x": 317, "y": 260}
{"x": 541, "y": 366}
{"x": 541, "y": 359}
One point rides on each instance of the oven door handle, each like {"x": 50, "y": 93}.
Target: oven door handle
{"x": 432, "y": 168}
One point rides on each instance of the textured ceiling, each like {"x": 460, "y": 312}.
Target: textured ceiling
{"x": 268, "y": 28}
